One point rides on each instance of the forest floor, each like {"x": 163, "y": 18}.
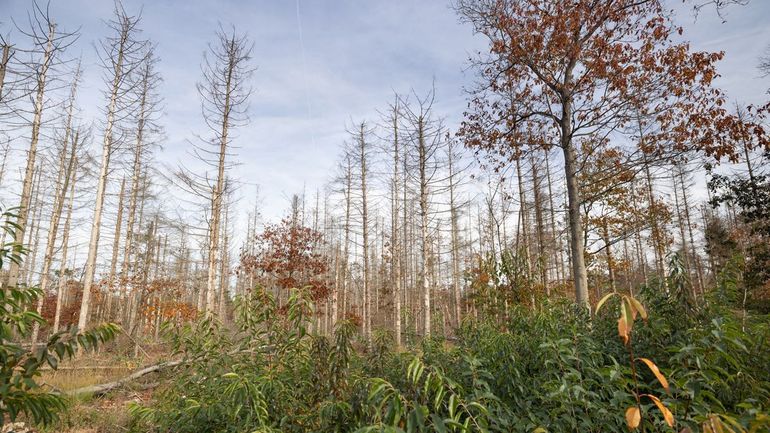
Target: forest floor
{"x": 107, "y": 413}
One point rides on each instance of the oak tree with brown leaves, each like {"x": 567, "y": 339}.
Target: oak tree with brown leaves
{"x": 559, "y": 72}
{"x": 288, "y": 255}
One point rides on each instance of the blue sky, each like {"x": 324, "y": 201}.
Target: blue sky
{"x": 356, "y": 53}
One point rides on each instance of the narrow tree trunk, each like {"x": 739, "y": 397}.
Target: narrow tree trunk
{"x": 608, "y": 255}
{"x": 365, "y": 234}
{"x": 62, "y": 285}
{"x": 394, "y": 229}
{"x": 101, "y": 186}
{"x": 64, "y": 174}
{"x": 556, "y": 236}
{"x": 424, "y": 241}
{"x": 523, "y": 226}
{"x": 36, "y": 211}
{"x": 29, "y": 172}
{"x": 115, "y": 248}
{"x": 4, "y": 67}
{"x": 455, "y": 235}
{"x": 542, "y": 259}
{"x": 224, "y": 272}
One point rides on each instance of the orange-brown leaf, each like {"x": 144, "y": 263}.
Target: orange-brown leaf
{"x": 638, "y": 307}
{"x": 633, "y": 417}
{"x": 667, "y": 415}
{"x": 623, "y": 329}
{"x": 656, "y": 371}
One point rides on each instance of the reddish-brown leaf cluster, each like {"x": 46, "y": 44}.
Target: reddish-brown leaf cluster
{"x": 567, "y": 69}
{"x": 288, "y": 256}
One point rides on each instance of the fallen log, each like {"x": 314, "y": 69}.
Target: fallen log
{"x": 101, "y": 389}
{"x": 104, "y": 388}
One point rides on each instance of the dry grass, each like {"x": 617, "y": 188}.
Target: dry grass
{"x": 108, "y": 414}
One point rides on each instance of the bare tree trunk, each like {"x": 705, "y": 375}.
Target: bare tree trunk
{"x": 36, "y": 210}
{"x": 4, "y": 67}
{"x": 694, "y": 255}
{"x": 29, "y": 172}
{"x": 119, "y": 51}
{"x": 656, "y": 232}
{"x": 145, "y": 109}
{"x": 62, "y": 285}
{"x": 346, "y": 276}
{"x": 115, "y": 248}
{"x": 362, "y": 147}
{"x": 64, "y": 175}
{"x": 394, "y": 229}
{"x": 455, "y": 235}
{"x": 577, "y": 248}
{"x": 224, "y": 94}
{"x": 542, "y": 259}
{"x": 523, "y": 227}
{"x": 224, "y": 272}
{"x": 422, "y": 161}
{"x": 608, "y": 255}
{"x": 556, "y": 236}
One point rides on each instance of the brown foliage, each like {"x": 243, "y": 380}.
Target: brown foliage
{"x": 603, "y": 65}
{"x": 288, "y": 256}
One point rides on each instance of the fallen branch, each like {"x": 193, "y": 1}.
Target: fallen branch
{"x": 104, "y": 388}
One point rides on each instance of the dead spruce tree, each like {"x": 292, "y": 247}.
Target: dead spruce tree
{"x": 425, "y": 138}
{"x": 120, "y": 54}
{"x": 224, "y": 92}
{"x": 40, "y": 70}
{"x": 145, "y": 130}
{"x": 67, "y": 154}
{"x": 359, "y": 155}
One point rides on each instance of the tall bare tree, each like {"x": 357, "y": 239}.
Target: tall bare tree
{"x": 121, "y": 54}
{"x": 48, "y": 46}
{"x": 224, "y": 93}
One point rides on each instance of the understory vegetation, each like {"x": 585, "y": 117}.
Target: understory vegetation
{"x": 550, "y": 369}
{"x": 580, "y": 243}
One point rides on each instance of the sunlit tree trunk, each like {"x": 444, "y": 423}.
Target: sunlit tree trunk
{"x": 362, "y": 160}
{"x": 119, "y": 63}
{"x": 61, "y": 187}
{"x": 62, "y": 285}
{"x": 33, "y": 235}
{"x": 37, "y": 121}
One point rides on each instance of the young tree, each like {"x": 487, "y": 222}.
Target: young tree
{"x": 287, "y": 256}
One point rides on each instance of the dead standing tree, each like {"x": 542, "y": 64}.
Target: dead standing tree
{"x": 425, "y": 138}
{"x": 39, "y": 70}
{"x": 147, "y": 113}
{"x": 67, "y": 154}
{"x": 121, "y": 54}
{"x": 224, "y": 93}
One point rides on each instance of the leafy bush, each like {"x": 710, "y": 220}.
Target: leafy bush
{"x": 700, "y": 367}
{"x": 20, "y": 392}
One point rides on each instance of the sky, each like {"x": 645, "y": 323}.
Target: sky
{"x": 323, "y": 65}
